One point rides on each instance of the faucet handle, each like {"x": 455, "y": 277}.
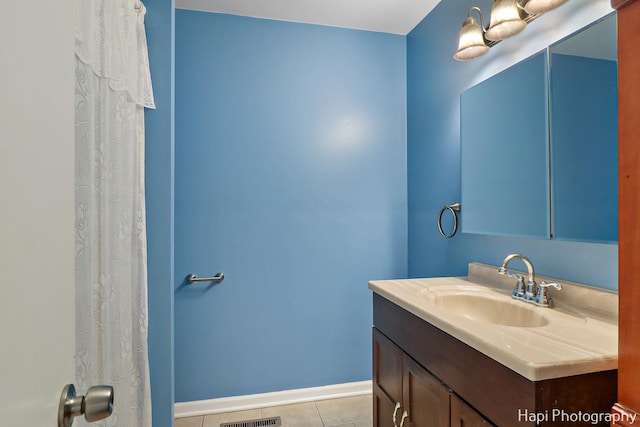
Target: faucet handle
{"x": 542, "y": 298}
{"x": 544, "y": 284}
{"x": 519, "y": 291}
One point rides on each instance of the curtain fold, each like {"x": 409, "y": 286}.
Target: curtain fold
{"x": 110, "y": 36}
{"x": 113, "y": 86}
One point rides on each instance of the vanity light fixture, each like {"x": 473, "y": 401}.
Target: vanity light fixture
{"x": 471, "y": 43}
{"x": 508, "y": 18}
{"x": 541, "y": 6}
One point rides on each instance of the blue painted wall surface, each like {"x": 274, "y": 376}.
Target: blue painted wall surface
{"x": 291, "y": 179}
{"x": 159, "y": 129}
{"x": 434, "y": 83}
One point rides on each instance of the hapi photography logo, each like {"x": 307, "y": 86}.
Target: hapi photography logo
{"x": 560, "y": 415}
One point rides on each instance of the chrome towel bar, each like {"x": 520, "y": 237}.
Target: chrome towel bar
{"x": 192, "y": 278}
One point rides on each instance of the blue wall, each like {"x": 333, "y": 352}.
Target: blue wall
{"x": 291, "y": 179}
{"x": 159, "y": 129}
{"x": 434, "y": 83}
{"x": 295, "y": 298}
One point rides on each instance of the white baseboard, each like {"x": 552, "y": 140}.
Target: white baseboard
{"x": 276, "y": 398}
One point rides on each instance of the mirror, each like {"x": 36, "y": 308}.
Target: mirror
{"x": 504, "y": 154}
{"x": 539, "y": 143}
{"x": 584, "y": 134}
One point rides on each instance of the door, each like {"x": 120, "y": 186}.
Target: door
{"x": 387, "y": 381}
{"x": 404, "y": 393}
{"x": 426, "y": 399}
{"x": 463, "y": 415}
{"x": 36, "y": 209}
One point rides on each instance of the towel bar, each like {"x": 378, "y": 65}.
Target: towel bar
{"x": 192, "y": 278}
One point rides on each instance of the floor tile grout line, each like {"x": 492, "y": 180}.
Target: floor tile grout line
{"x": 315, "y": 405}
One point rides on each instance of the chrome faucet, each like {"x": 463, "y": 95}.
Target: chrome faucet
{"x": 520, "y": 292}
{"x": 531, "y": 292}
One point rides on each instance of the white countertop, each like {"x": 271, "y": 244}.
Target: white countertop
{"x": 579, "y": 335}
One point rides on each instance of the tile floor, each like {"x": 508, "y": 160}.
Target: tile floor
{"x": 345, "y": 412}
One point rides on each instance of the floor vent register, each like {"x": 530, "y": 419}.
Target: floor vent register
{"x": 262, "y": 422}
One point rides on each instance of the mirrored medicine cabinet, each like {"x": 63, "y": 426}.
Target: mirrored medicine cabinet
{"x": 541, "y": 160}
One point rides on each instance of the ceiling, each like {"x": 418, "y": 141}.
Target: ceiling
{"x": 387, "y": 16}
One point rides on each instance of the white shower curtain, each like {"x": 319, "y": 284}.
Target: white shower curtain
{"x": 113, "y": 86}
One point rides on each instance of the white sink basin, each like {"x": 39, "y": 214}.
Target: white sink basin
{"x": 492, "y": 310}
{"x": 578, "y": 336}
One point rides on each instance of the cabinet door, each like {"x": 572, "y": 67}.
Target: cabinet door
{"x": 387, "y": 366}
{"x": 387, "y": 380}
{"x": 384, "y": 410}
{"x": 463, "y": 415}
{"x": 426, "y": 399}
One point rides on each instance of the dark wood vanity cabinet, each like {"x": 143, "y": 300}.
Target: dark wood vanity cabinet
{"x": 440, "y": 381}
{"x": 387, "y": 379}
{"x": 462, "y": 415}
{"x": 426, "y": 399}
{"x": 401, "y": 382}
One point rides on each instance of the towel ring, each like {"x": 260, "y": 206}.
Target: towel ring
{"x": 454, "y": 208}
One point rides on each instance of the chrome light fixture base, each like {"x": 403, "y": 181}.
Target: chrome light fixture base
{"x": 533, "y": 7}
